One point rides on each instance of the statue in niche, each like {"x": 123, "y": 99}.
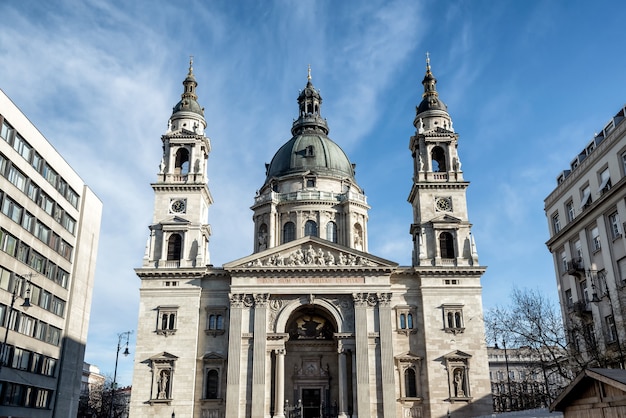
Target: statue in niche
{"x": 162, "y": 384}
{"x": 458, "y": 383}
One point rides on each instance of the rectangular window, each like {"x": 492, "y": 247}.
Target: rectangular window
{"x": 58, "y": 306}
{"x": 35, "y": 293}
{"x": 65, "y": 250}
{"x": 46, "y": 298}
{"x": 32, "y": 191}
{"x": 12, "y": 210}
{"x": 614, "y": 225}
{"x": 28, "y": 222}
{"x": 611, "y": 330}
{"x": 50, "y": 175}
{"x": 5, "y": 131}
{"x": 563, "y": 262}
{"x": 605, "y": 182}
{"x": 621, "y": 265}
{"x": 23, "y": 251}
{"x": 569, "y": 208}
{"x": 22, "y": 147}
{"x": 54, "y": 335}
{"x": 585, "y": 200}
{"x": 37, "y": 261}
{"x": 556, "y": 224}
{"x": 72, "y": 197}
{"x": 17, "y": 178}
{"x": 37, "y": 162}
{"x": 568, "y": 298}
{"x": 46, "y": 203}
{"x": 595, "y": 238}
{"x": 9, "y": 243}
{"x": 49, "y": 365}
{"x": 584, "y": 291}
{"x": 42, "y": 329}
{"x": 43, "y": 398}
{"x": 69, "y": 223}
{"x": 42, "y": 232}
{"x": 62, "y": 277}
{"x": 27, "y": 325}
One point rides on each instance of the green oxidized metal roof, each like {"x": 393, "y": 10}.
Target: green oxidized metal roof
{"x": 310, "y": 151}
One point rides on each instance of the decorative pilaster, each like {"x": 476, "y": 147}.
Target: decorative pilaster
{"x": 343, "y": 383}
{"x": 386, "y": 354}
{"x": 361, "y": 302}
{"x": 259, "y": 355}
{"x": 237, "y": 303}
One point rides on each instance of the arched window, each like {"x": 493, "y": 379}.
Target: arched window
{"x": 438, "y": 157}
{"x": 182, "y": 162}
{"x": 450, "y": 320}
{"x": 409, "y": 321}
{"x": 212, "y": 384}
{"x": 402, "y": 321}
{"x": 457, "y": 320}
{"x": 331, "y": 231}
{"x": 446, "y": 245}
{"x": 289, "y": 232}
{"x": 216, "y": 322}
{"x": 410, "y": 386}
{"x": 310, "y": 228}
{"x": 174, "y": 247}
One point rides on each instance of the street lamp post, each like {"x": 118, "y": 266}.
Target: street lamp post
{"x": 120, "y": 337}
{"x": 508, "y": 375}
{"x": 24, "y": 305}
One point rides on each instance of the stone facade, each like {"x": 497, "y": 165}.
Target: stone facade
{"x": 311, "y": 319}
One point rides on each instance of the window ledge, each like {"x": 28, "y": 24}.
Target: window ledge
{"x": 454, "y": 331}
{"x": 218, "y": 401}
{"x": 214, "y": 332}
{"x": 460, "y": 399}
{"x": 165, "y": 332}
{"x": 160, "y": 401}
{"x": 407, "y": 331}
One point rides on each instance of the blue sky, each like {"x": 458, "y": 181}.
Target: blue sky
{"x": 527, "y": 85}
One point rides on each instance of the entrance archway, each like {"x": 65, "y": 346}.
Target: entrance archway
{"x": 311, "y": 361}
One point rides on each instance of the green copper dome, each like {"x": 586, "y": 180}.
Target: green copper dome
{"x": 310, "y": 152}
{"x": 310, "y": 149}
{"x": 189, "y": 100}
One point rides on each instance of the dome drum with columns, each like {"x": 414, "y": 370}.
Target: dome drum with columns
{"x": 310, "y": 188}
{"x": 310, "y": 324}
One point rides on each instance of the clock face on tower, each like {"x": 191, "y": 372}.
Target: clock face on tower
{"x": 178, "y": 205}
{"x": 444, "y": 204}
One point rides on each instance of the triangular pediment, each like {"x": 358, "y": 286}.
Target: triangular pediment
{"x": 212, "y": 356}
{"x": 164, "y": 356}
{"x": 445, "y": 218}
{"x": 457, "y": 355}
{"x": 407, "y": 357}
{"x": 174, "y": 220}
{"x": 310, "y": 252}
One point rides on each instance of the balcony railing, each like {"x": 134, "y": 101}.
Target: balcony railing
{"x": 575, "y": 267}
{"x": 310, "y": 195}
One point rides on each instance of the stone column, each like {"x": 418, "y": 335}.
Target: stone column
{"x": 234, "y": 378}
{"x": 279, "y": 401}
{"x": 386, "y": 355}
{"x": 343, "y": 383}
{"x": 361, "y": 303}
{"x": 259, "y": 355}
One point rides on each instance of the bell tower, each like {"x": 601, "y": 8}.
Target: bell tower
{"x": 179, "y": 234}
{"x": 441, "y": 229}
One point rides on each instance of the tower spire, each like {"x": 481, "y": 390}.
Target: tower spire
{"x": 309, "y": 103}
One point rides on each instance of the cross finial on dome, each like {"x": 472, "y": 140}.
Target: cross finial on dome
{"x": 309, "y": 74}
{"x": 190, "y": 64}
{"x": 428, "y": 61}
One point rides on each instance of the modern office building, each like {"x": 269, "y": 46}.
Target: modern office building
{"x": 585, "y": 215}
{"x": 311, "y": 319}
{"x": 49, "y": 230}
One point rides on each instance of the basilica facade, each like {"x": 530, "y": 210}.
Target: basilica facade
{"x": 310, "y": 323}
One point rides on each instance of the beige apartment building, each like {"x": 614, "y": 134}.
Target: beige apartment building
{"x": 311, "y": 320}
{"x": 585, "y": 214}
{"x": 49, "y": 230}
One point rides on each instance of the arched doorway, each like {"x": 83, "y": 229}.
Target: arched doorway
{"x": 311, "y": 361}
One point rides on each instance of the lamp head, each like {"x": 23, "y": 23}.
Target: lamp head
{"x": 26, "y": 303}
{"x": 126, "y": 352}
